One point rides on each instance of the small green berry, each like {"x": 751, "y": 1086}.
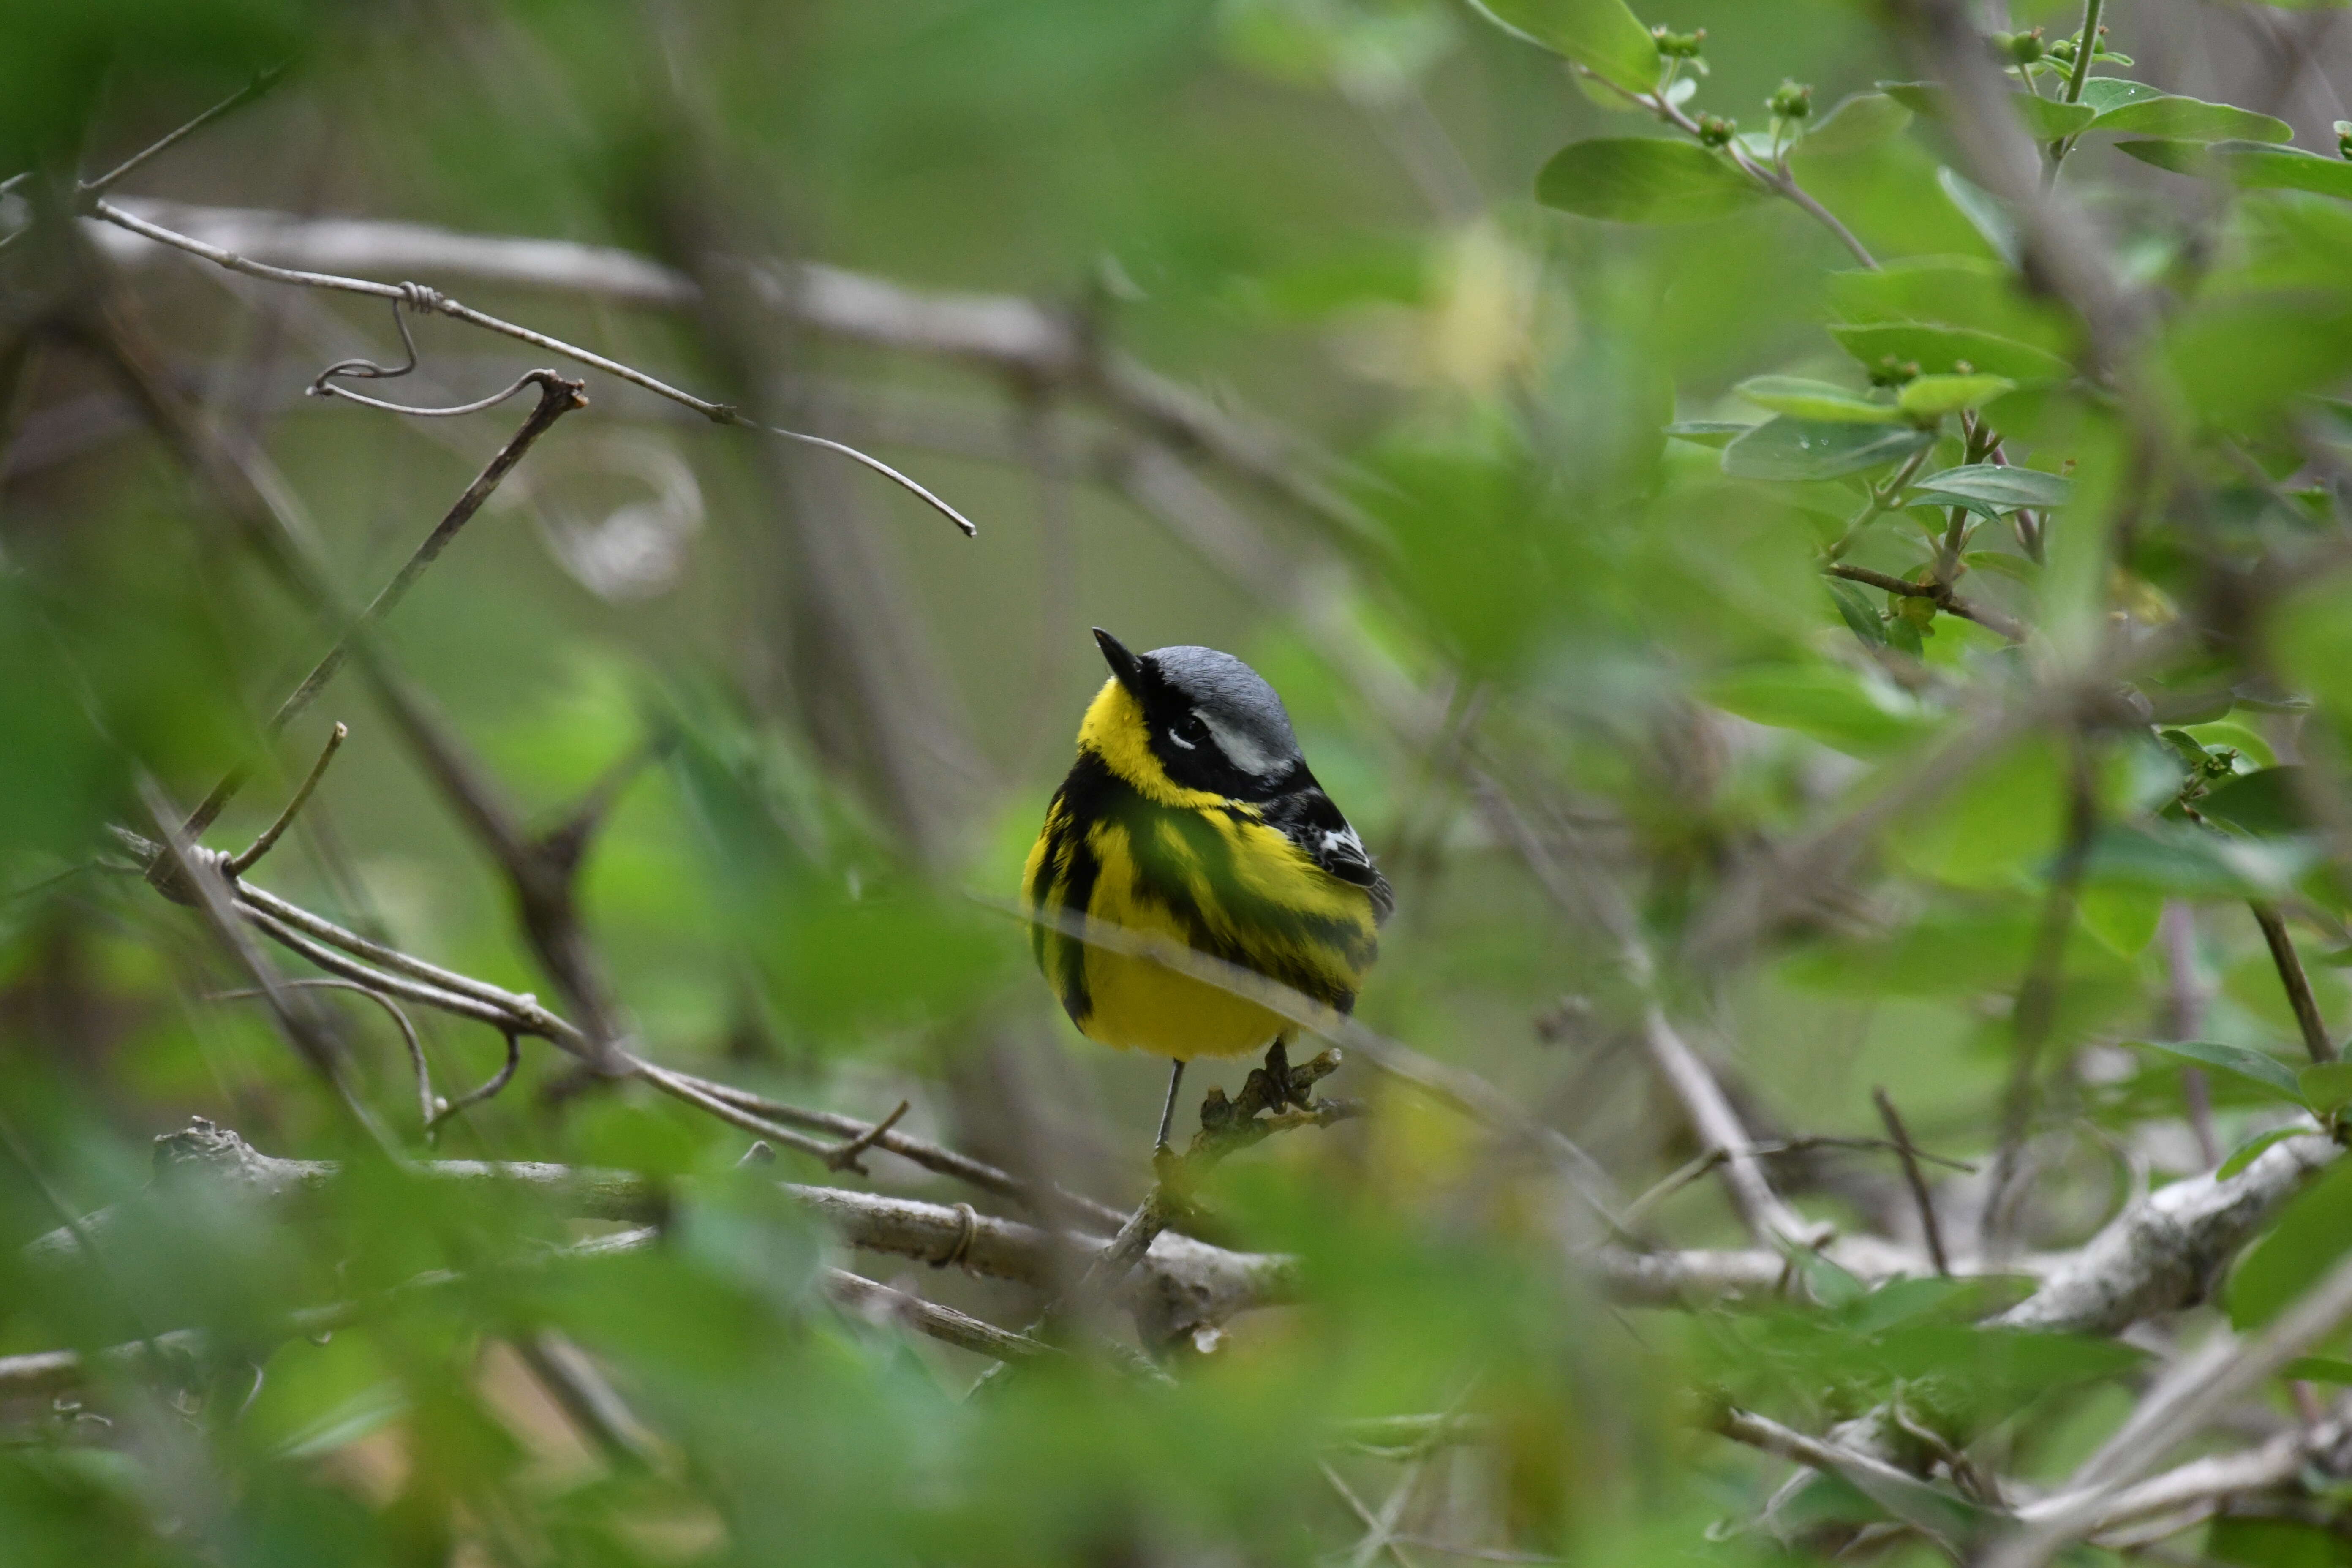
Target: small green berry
{"x": 2344, "y": 138}
{"x": 1892, "y": 371}
{"x": 1679, "y": 46}
{"x": 1792, "y": 100}
{"x": 1716, "y": 132}
{"x": 2020, "y": 48}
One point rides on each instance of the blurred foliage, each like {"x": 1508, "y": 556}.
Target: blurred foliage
{"x": 1677, "y": 473}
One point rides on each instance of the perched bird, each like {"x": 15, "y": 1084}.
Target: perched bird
{"x": 1191, "y": 813}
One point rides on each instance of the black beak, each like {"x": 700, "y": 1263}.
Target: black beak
{"x": 1123, "y": 664}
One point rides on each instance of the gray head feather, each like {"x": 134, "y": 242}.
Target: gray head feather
{"x": 1241, "y": 709}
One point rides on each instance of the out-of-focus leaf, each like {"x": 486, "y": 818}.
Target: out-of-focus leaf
{"x": 2236, "y": 358}
{"x": 1825, "y": 401}
{"x": 1601, "y": 35}
{"x": 1949, "y": 351}
{"x": 2265, "y": 802}
{"x": 2000, "y": 563}
{"x": 1829, "y": 702}
{"x": 2146, "y": 112}
{"x": 2246, "y": 1153}
{"x": 2316, "y": 1368}
{"x": 2254, "y": 165}
{"x": 1990, "y": 488}
{"x": 1643, "y": 179}
{"x": 1786, "y": 448}
{"x": 2044, "y": 119}
{"x": 1708, "y": 432}
{"x": 1861, "y": 120}
{"x": 2256, "y": 1066}
{"x": 1967, "y": 292}
{"x": 2253, "y": 751}
{"x": 2179, "y": 858}
{"x": 2107, "y": 92}
{"x": 1855, "y": 608}
{"x": 2326, "y": 1085}
{"x": 2309, "y": 1236}
{"x": 1932, "y": 397}
{"x": 1984, "y": 212}
{"x": 2247, "y": 1542}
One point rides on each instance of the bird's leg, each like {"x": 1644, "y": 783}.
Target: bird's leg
{"x": 1168, "y": 1111}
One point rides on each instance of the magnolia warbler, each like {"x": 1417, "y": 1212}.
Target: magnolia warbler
{"x": 1190, "y": 813}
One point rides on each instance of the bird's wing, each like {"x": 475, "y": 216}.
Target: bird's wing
{"x": 1308, "y": 819}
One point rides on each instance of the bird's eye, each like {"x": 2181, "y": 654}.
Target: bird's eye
{"x": 1188, "y": 732}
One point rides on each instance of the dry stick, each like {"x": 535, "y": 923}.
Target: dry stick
{"x": 2291, "y": 976}
{"x": 418, "y": 295}
{"x": 1918, "y": 1183}
{"x": 140, "y": 160}
{"x": 556, "y": 398}
{"x": 188, "y": 875}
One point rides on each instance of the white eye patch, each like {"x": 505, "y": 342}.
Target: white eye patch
{"x": 1240, "y": 750}
{"x": 1181, "y": 741}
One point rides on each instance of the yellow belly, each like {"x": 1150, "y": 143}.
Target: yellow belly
{"x": 1263, "y": 904}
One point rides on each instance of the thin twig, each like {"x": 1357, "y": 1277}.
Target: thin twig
{"x": 443, "y": 1111}
{"x": 845, "y": 1157}
{"x": 140, "y": 160}
{"x": 1938, "y": 591}
{"x": 240, "y": 864}
{"x": 1918, "y": 1183}
{"x": 2289, "y": 964}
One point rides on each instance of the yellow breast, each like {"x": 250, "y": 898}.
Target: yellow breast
{"x": 1208, "y": 874}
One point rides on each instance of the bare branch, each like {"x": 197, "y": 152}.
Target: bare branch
{"x": 420, "y": 297}
{"x": 1929, "y": 1229}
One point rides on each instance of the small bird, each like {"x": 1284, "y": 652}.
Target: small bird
{"x": 1191, "y": 813}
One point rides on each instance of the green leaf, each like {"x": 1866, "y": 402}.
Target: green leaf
{"x": 1828, "y": 703}
{"x": 1786, "y": 448}
{"x": 2317, "y": 1369}
{"x": 2000, "y": 563}
{"x": 2265, "y": 802}
{"x": 2256, "y": 1066}
{"x": 2250, "y": 164}
{"x": 2186, "y": 119}
{"x": 1643, "y": 179}
{"x": 1990, "y": 488}
{"x": 1803, "y": 399}
{"x": 1708, "y": 432}
{"x": 2045, "y": 119}
{"x": 2326, "y": 1085}
{"x": 1949, "y": 351}
{"x": 1601, "y": 35}
{"x": 1952, "y": 290}
{"x": 1853, "y": 608}
{"x": 2179, "y": 859}
{"x": 2309, "y": 1237}
{"x": 2246, "y": 1153}
{"x": 1932, "y": 397}
{"x": 1985, "y": 214}
{"x": 1863, "y": 121}
{"x": 2106, "y": 92}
